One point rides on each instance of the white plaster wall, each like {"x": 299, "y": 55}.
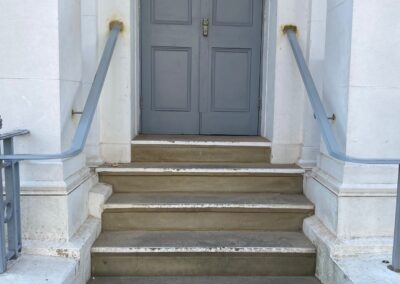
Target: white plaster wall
{"x": 316, "y": 56}
{"x": 116, "y": 102}
{"x": 29, "y": 72}
{"x": 284, "y": 100}
{"x": 355, "y": 200}
{"x": 337, "y": 64}
{"x": 40, "y": 81}
{"x": 374, "y": 85}
{"x": 89, "y": 67}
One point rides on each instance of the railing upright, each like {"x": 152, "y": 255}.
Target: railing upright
{"x": 396, "y": 242}
{"x": 3, "y": 254}
{"x": 10, "y": 212}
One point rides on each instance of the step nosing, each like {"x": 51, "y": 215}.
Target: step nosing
{"x": 199, "y": 170}
{"x": 207, "y": 206}
{"x": 202, "y": 249}
{"x": 201, "y": 143}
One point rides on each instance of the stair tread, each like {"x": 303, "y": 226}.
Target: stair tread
{"x": 202, "y": 167}
{"x": 204, "y": 280}
{"x": 182, "y": 200}
{"x": 176, "y": 139}
{"x": 202, "y": 241}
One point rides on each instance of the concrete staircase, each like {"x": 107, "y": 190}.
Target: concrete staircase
{"x": 192, "y": 209}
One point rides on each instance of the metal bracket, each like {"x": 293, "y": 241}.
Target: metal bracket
{"x": 77, "y": 112}
{"x": 333, "y": 117}
{"x": 118, "y": 24}
{"x": 287, "y": 28}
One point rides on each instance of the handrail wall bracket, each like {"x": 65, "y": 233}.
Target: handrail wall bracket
{"x": 116, "y": 24}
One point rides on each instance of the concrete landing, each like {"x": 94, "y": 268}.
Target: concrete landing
{"x": 204, "y": 280}
{"x": 40, "y": 270}
{"x": 364, "y": 269}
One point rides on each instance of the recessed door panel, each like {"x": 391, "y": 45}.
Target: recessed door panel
{"x": 230, "y": 76}
{"x": 176, "y": 12}
{"x": 232, "y": 12}
{"x": 171, "y": 78}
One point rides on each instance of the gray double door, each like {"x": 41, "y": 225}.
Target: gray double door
{"x": 201, "y": 66}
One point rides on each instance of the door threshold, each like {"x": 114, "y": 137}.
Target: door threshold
{"x": 201, "y": 140}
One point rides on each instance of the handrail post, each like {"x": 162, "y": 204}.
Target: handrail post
{"x": 3, "y": 253}
{"x": 396, "y": 241}
{"x": 11, "y": 202}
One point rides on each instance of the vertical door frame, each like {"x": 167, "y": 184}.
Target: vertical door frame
{"x": 137, "y": 76}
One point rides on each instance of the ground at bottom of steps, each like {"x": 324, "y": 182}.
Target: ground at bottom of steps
{"x": 204, "y": 280}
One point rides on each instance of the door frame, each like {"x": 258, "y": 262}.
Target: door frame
{"x": 137, "y": 65}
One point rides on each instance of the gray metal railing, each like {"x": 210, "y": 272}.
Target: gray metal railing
{"x": 10, "y": 220}
{"x": 329, "y": 137}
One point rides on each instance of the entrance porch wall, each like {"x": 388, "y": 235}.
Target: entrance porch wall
{"x": 117, "y": 126}
{"x": 360, "y": 88}
{"x": 89, "y": 67}
{"x": 282, "y": 89}
{"x": 283, "y": 97}
{"x": 40, "y": 80}
{"x": 316, "y": 56}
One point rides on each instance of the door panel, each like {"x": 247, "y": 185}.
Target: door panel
{"x": 172, "y": 12}
{"x": 170, "y": 66}
{"x": 171, "y": 78}
{"x": 193, "y": 84}
{"x": 232, "y": 12}
{"x": 230, "y": 75}
{"x": 230, "y": 79}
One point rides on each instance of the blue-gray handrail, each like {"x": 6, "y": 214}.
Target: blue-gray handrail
{"x": 325, "y": 126}
{"x": 82, "y": 131}
{"x": 330, "y": 140}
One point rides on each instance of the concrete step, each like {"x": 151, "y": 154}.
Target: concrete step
{"x": 206, "y": 211}
{"x": 172, "y": 253}
{"x": 191, "y": 148}
{"x": 204, "y": 280}
{"x": 203, "y": 177}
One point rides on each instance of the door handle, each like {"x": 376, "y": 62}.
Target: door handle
{"x": 205, "y": 25}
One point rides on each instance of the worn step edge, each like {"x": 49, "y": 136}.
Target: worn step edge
{"x": 203, "y": 242}
{"x": 199, "y": 170}
{"x": 252, "y": 250}
{"x": 273, "y": 202}
{"x": 178, "y": 206}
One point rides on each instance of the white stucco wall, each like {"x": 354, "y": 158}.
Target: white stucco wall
{"x": 40, "y": 80}
{"x": 89, "y": 66}
{"x": 362, "y": 40}
{"x": 117, "y": 99}
{"x": 283, "y": 90}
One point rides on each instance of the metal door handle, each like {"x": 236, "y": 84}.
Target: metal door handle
{"x": 205, "y": 24}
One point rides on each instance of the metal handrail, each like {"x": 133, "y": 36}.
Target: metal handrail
{"x": 15, "y": 133}
{"x": 329, "y": 137}
{"x": 326, "y": 129}
{"x": 82, "y": 131}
